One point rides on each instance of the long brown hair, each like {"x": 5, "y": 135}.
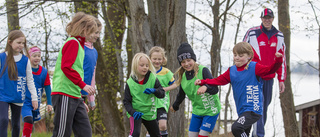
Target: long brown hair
{"x": 181, "y": 70}
{"x": 10, "y": 63}
{"x": 82, "y": 24}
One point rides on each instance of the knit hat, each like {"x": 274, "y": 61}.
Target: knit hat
{"x": 267, "y": 12}
{"x": 185, "y": 52}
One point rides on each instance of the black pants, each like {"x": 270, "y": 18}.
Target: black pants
{"x": 4, "y": 119}
{"x": 152, "y": 127}
{"x": 70, "y": 115}
{"x": 242, "y": 126}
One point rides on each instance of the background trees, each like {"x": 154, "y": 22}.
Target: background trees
{"x": 131, "y": 26}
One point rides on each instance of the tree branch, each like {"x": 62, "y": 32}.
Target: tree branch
{"x": 194, "y": 17}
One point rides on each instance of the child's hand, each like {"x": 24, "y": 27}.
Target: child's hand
{"x": 149, "y": 90}
{"x": 171, "y": 109}
{"x": 49, "y": 108}
{"x": 202, "y": 90}
{"x": 278, "y": 55}
{"x": 197, "y": 82}
{"x": 35, "y": 105}
{"x": 89, "y": 89}
{"x": 86, "y": 107}
{"x": 137, "y": 115}
{"x": 92, "y": 105}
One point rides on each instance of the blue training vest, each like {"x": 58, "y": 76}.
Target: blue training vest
{"x": 39, "y": 83}
{"x": 89, "y": 63}
{"x": 247, "y": 90}
{"x": 13, "y": 91}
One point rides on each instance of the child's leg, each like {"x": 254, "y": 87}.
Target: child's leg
{"x": 243, "y": 123}
{"x": 195, "y": 124}
{"x": 162, "y": 119}
{"x": 81, "y": 123}
{"x": 4, "y": 119}
{"x": 63, "y": 115}
{"x": 26, "y": 113}
{"x": 15, "y": 119}
{"x": 152, "y": 127}
{"x": 135, "y": 127}
{"x": 207, "y": 125}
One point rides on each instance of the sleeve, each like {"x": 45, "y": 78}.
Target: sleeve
{"x": 221, "y": 80}
{"x": 180, "y": 97}
{"x": 127, "y": 101}
{"x": 47, "y": 88}
{"x": 47, "y": 80}
{"x": 171, "y": 81}
{"x": 262, "y": 70}
{"x": 211, "y": 89}
{"x": 30, "y": 82}
{"x": 246, "y": 37}
{"x": 159, "y": 93}
{"x": 67, "y": 62}
{"x": 282, "y": 71}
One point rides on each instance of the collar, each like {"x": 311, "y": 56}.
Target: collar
{"x": 88, "y": 45}
{"x": 38, "y": 72}
{"x": 80, "y": 39}
{"x": 159, "y": 70}
{"x": 242, "y": 67}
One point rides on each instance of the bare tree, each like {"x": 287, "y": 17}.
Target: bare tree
{"x": 286, "y": 98}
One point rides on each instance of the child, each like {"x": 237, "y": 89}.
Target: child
{"x": 205, "y": 107}
{"x": 15, "y": 74}
{"x": 41, "y": 80}
{"x": 89, "y": 64}
{"x": 70, "y": 113}
{"x": 245, "y": 79}
{"x": 165, "y": 76}
{"x": 140, "y": 92}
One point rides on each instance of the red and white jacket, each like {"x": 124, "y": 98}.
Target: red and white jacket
{"x": 265, "y": 44}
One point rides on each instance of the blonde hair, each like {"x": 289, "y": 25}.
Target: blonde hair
{"x": 161, "y": 51}
{"x": 82, "y": 24}
{"x": 243, "y": 48}
{"x": 10, "y": 63}
{"x": 135, "y": 63}
{"x": 181, "y": 70}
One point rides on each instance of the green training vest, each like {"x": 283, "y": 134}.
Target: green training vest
{"x": 204, "y": 104}
{"x": 141, "y": 102}
{"x": 164, "y": 80}
{"x": 60, "y": 82}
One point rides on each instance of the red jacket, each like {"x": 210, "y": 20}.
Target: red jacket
{"x": 265, "y": 44}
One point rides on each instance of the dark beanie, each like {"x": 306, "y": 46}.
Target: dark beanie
{"x": 185, "y": 52}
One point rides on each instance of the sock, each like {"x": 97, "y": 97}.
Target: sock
{"x": 202, "y": 136}
{"x": 164, "y": 133}
{"x": 147, "y": 135}
{"x": 27, "y": 130}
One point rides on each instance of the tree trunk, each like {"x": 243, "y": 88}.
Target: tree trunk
{"x": 286, "y": 98}
{"x": 176, "y": 34}
{"x": 141, "y": 38}
{"x": 107, "y": 72}
{"x": 12, "y": 15}
{"x": 216, "y": 43}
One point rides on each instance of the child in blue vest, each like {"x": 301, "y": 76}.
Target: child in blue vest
{"x": 205, "y": 107}
{"x": 89, "y": 64}
{"x": 245, "y": 78}
{"x": 141, "y": 91}
{"x": 70, "y": 112}
{"x": 165, "y": 76}
{"x": 42, "y": 81}
{"x": 15, "y": 77}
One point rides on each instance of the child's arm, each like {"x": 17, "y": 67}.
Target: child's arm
{"x": 159, "y": 93}
{"x": 221, "y": 80}
{"x": 208, "y": 88}
{"x": 171, "y": 87}
{"x": 262, "y": 70}
{"x": 31, "y": 86}
{"x": 68, "y": 58}
{"x": 91, "y": 98}
{"x": 127, "y": 101}
{"x": 47, "y": 88}
{"x": 179, "y": 99}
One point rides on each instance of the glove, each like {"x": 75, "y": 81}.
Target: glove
{"x": 137, "y": 115}
{"x": 149, "y": 90}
